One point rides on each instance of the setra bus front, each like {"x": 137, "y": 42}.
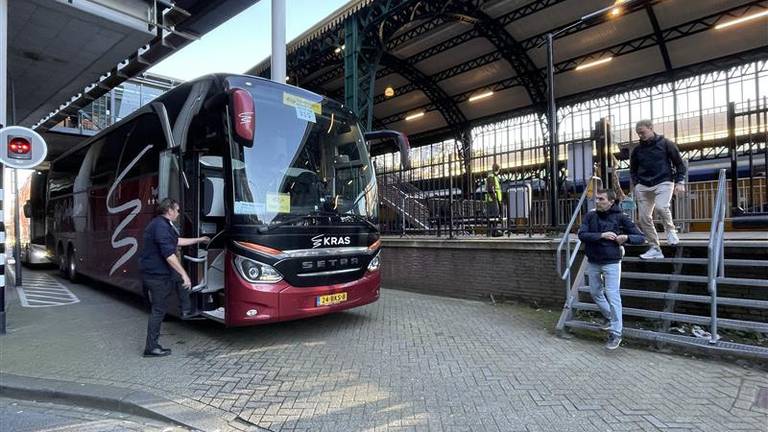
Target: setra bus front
{"x": 301, "y": 236}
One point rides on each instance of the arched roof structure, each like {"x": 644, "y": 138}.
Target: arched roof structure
{"x": 438, "y": 54}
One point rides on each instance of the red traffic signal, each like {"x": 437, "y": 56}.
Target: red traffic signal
{"x": 19, "y": 148}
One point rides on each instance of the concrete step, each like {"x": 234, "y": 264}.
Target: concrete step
{"x": 664, "y": 277}
{"x": 694, "y": 279}
{"x": 699, "y": 261}
{"x": 661, "y": 295}
{"x": 693, "y": 319}
{"x": 682, "y": 340}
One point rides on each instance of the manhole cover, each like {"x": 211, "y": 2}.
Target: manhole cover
{"x": 762, "y": 398}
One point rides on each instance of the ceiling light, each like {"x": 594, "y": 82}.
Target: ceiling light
{"x": 616, "y": 11}
{"x": 415, "y": 116}
{"x": 594, "y": 63}
{"x": 742, "y": 19}
{"x": 481, "y": 96}
{"x": 389, "y": 91}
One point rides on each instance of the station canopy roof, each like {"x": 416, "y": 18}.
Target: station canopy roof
{"x": 62, "y": 55}
{"x": 440, "y": 56}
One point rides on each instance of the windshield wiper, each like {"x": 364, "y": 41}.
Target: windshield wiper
{"x": 315, "y": 214}
{"x": 359, "y": 218}
{"x": 318, "y": 214}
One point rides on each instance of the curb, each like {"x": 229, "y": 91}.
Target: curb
{"x": 134, "y": 402}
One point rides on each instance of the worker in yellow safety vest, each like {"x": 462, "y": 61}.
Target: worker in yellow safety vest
{"x": 493, "y": 200}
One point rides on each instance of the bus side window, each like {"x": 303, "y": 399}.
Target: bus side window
{"x": 142, "y": 150}
{"x": 108, "y": 152}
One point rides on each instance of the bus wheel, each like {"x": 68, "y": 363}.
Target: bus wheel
{"x": 72, "y": 266}
{"x": 63, "y": 264}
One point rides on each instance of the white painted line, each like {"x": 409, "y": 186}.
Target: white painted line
{"x": 50, "y": 290}
{"x": 54, "y": 297}
{"x": 44, "y": 291}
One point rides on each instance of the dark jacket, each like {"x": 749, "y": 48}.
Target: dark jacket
{"x": 160, "y": 241}
{"x": 600, "y": 250}
{"x": 656, "y": 161}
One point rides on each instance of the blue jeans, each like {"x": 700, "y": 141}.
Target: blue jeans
{"x": 604, "y": 280}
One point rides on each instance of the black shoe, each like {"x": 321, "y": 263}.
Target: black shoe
{"x": 605, "y": 324}
{"x": 156, "y": 352}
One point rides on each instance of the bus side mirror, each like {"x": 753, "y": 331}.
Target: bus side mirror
{"x": 165, "y": 123}
{"x": 386, "y": 141}
{"x": 27, "y": 209}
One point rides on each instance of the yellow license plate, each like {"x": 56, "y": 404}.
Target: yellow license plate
{"x": 332, "y": 299}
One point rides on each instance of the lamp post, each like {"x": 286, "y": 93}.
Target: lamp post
{"x": 613, "y": 10}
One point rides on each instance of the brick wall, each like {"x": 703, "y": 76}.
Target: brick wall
{"x": 474, "y": 269}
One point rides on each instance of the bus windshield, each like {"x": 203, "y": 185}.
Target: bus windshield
{"x": 307, "y": 158}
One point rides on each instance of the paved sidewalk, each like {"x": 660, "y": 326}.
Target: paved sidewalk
{"x": 32, "y": 416}
{"x": 406, "y": 363}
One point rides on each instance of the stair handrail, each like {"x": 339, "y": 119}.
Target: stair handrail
{"x": 565, "y": 242}
{"x": 715, "y": 252}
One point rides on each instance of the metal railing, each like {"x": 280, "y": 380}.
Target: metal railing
{"x": 716, "y": 252}
{"x": 564, "y": 271}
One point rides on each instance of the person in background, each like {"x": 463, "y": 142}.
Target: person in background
{"x": 493, "y": 200}
{"x": 657, "y": 170}
{"x": 160, "y": 269}
{"x": 604, "y": 231}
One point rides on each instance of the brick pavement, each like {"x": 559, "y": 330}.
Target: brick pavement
{"x": 409, "y": 362}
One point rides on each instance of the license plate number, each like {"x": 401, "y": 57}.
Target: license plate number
{"x": 332, "y": 299}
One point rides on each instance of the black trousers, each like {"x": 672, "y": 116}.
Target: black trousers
{"x": 159, "y": 289}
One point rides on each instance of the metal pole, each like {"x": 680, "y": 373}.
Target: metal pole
{"x": 3, "y": 122}
{"x": 450, "y": 197}
{"x": 552, "y": 123}
{"x": 16, "y": 230}
{"x": 278, "y": 41}
{"x": 734, "y": 165}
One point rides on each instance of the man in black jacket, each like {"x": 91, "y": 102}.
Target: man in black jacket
{"x": 657, "y": 170}
{"x": 603, "y": 232}
{"x": 159, "y": 270}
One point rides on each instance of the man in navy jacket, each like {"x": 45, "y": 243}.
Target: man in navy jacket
{"x": 604, "y": 231}
{"x": 160, "y": 268}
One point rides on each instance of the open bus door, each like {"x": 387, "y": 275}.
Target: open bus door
{"x": 175, "y": 174}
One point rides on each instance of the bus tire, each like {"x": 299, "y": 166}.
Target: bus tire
{"x": 62, "y": 260}
{"x": 72, "y": 274}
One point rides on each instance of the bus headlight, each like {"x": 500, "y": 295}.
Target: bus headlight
{"x": 256, "y": 272}
{"x": 374, "y": 264}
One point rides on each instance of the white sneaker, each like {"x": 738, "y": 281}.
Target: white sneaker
{"x": 672, "y": 238}
{"x": 652, "y": 253}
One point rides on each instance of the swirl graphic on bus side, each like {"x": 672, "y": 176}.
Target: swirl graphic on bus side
{"x": 135, "y": 206}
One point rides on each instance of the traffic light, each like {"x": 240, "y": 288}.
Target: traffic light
{"x": 19, "y": 148}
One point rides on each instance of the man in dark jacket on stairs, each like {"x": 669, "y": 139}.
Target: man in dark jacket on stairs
{"x": 604, "y": 231}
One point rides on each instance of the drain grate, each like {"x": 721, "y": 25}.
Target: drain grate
{"x": 762, "y": 398}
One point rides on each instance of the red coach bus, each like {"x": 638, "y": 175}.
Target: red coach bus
{"x": 280, "y": 178}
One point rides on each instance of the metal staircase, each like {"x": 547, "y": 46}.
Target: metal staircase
{"x": 695, "y": 292}
{"x": 405, "y": 199}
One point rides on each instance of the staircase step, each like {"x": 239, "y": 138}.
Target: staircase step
{"x": 694, "y": 319}
{"x": 664, "y": 277}
{"x": 743, "y": 282}
{"x": 702, "y": 261}
{"x": 719, "y": 346}
{"x": 661, "y": 295}
{"x": 694, "y": 278}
